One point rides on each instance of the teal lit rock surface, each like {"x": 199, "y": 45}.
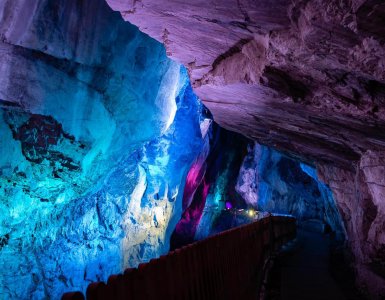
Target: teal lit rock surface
{"x": 49, "y": 247}
{"x": 98, "y": 130}
{"x": 107, "y": 86}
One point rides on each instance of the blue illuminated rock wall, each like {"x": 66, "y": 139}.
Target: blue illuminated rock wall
{"x": 98, "y": 130}
{"x": 129, "y": 220}
{"x": 210, "y": 185}
{"x": 79, "y": 66}
{"x": 234, "y": 172}
{"x": 273, "y": 182}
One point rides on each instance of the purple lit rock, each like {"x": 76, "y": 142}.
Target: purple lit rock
{"x": 306, "y": 77}
{"x": 360, "y": 199}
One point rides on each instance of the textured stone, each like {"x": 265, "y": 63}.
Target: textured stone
{"x": 306, "y": 77}
{"x": 226, "y": 183}
{"x": 93, "y": 154}
{"x": 92, "y": 164}
{"x": 210, "y": 185}
{"x": 359, "y": 196}
{"x": 96, "y": 76}
{"x": 272, "y": 182}
{"x": 47, "y": 248}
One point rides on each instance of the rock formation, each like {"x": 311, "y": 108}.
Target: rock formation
{"x": 106, "y": 151}
{"x": 305, "y": 77}
{"x": 232, "y": 177}
{"x": 360, "y": 200}
{"x": 272, "y": 182}
{"x": 93, "y": 155}
{"x": 210, "y": 186}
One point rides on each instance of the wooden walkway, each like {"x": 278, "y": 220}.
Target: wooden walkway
{"x": 229, "y": 265}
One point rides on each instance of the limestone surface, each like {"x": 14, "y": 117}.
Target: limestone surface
{"x": 304, "y": 77}
{"x": 93, "y": 148}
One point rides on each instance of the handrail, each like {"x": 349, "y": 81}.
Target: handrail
{"x": 228, "y": 265}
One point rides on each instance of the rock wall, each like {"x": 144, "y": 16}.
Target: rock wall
{"x": 210, "y": 186}
{"x": 93, "y": 154}
{"x": 272, "y": 182}
{"x": 100, "y": 89}
{"x": 360, "y": 200}
{"x": 304, "y": 77}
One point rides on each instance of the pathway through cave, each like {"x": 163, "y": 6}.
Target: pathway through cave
{"x": 304, "y": 271}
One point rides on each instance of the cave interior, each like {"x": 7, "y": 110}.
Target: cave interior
{"x": 130, "y": 129}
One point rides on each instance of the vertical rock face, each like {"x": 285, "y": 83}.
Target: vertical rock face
{"x": 93, "y": 154}
{"x": 210, "y": 185}
{"x": 270, "y": 181}
{"x": 360, "y": 200}
{"x": 48, "y": 248}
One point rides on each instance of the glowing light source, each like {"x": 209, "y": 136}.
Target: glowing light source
{"x": 251, "y": 212}
{"x": 228, "y": 205}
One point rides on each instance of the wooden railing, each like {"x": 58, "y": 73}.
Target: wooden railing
{"x": 228, "y": 265}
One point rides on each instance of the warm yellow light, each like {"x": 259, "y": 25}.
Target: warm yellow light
{"x": 251, "y": 212}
